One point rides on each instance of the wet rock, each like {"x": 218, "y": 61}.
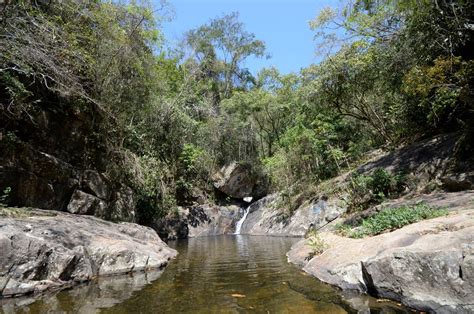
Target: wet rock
{"x": 198, "y": 221}
{"x": 48, "y": 252}
{"x": 173, "y": 226}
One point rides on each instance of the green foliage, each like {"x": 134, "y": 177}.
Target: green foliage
{"x": 437, "y": 88}
{"x": 316, "y": 243}
{"x": 390, "y": 219}
{"x": 166, "y": 120}
{"x": 372, "y": 189}
{"x": 4, "y": 196}
{"x": 190, "y": 156}
{"x": 156, "y": 189}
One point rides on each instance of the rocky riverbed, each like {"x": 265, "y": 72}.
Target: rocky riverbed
{"x": 43, "y": 250}
{"x": 428, "y": 265}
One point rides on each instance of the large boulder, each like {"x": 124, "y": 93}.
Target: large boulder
{"x": 173, "y": 226}
{"x": 267, "y": 216}
{"x": 121, "y": 205}
{"x": 55, "y": 250}
{"x": 235, "y": 180}
{"x": 85, "y": 204}
{"x": 427, "y": 265}
{"x": 198, "y": 221}
{"x": 205, "y": 220}
{"x": 96, "y": 184}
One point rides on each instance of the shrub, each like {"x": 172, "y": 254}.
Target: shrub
{"x": 4, "y": 196}
{"x": 390, "y": 219}
{"x": 316, "y": 243}
{"x": 368, "y": 190}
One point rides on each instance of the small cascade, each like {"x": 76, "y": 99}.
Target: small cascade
{"x": 239, "y": 223}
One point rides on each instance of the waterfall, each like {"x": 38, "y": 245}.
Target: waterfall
{"x": 239, "y": 223}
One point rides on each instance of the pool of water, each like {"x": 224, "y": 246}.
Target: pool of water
{"x": 224, "y": 274}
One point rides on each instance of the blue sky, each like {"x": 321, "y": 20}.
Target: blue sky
{"x": 281, "y": 24}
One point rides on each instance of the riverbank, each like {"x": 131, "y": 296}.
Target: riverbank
{"x": 428, "y": 266}
{"x": 48, "y": 250}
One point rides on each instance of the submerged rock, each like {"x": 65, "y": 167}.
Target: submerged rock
{"x": 427, "y": 265}
{"x": 46, "y": 252}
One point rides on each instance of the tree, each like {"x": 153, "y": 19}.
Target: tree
{"x": 223, "y": 41}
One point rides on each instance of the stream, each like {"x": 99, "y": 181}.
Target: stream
{"x": 222, "y": 274}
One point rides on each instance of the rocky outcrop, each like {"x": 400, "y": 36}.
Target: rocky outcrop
{"x": 85, "y": 204}
{"x": 235, "y": 180}
{"x": 173, "y": 226}
{"x": 427, "y": 266}
{"x": 54, "y": 250}
{"x": 240, "y": 181}
{"x": 267, "y": 218}
{"x": 198, "y": 221}
{"x": 55, "y": 158}
{"x": 40, "y": 180}
{"x": 429, "y": 163}
{"x": 212, "y": 220}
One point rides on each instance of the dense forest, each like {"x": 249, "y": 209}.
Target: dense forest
{"x": 163, "y": 120}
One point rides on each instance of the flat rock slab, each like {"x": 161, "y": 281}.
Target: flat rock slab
{"x": 46, "y": 252}
{"x": 428, "y": 265}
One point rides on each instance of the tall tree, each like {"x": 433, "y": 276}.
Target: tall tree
{"x": 226, "y": 39}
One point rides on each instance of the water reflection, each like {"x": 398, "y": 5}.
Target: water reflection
{"x": 86, "y": 298}
{"x": 226, "y": 274}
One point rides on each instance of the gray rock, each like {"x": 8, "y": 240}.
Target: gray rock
{"x": 198, "y": 221}
{"x": 122, "y": 207}
{"x": 48, "y": 252}
{"x": 95, "y": 183}
{"x": 427, "y": 281}
{"x": 205, "y": 220}
{"x": 173, "y": 226}
{"x": 458, "y": 182}
{"x": 266, "y": 218}
{"x": 427, "y": 265}
{"x": 234, "y": 180}
{"x": 85, "y": 204}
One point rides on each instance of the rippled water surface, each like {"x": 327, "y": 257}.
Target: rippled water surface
{"x": 224, "y": 274}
